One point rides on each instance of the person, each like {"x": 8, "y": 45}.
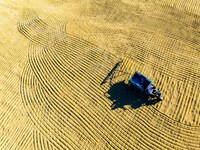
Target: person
{"x": 151, "y": 91}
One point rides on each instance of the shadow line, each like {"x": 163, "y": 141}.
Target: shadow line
{"x": 110, "y": 74}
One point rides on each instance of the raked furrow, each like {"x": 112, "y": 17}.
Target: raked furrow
{"x": 62, "y": 95}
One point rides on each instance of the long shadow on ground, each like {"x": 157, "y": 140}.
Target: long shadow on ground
{"x": 120, "y": 94}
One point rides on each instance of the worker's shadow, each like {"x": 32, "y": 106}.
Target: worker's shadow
{"x": 120, "y": 94}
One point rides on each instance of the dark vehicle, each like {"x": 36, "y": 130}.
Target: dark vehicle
{"x": 143, "y": 85}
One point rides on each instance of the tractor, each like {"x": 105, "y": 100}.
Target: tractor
{"x": 144, "y": 86}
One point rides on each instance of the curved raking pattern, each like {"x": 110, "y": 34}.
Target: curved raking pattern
{"x": 61, "y": 92}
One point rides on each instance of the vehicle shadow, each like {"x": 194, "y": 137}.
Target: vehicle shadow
{"x": 120, "y": 94}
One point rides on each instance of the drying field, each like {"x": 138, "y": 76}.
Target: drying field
{"x": 55, "y": 55}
